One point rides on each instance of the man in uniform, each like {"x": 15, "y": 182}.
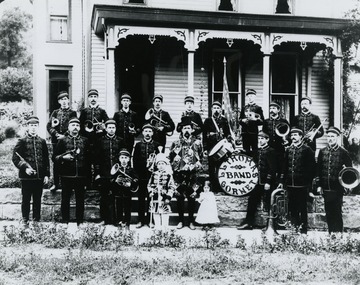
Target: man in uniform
{"x": 31, "y": 157}
{"x": 58, "y": 126}
{"x": 331, "y": 161}
{"x": 145, "y": 153}
{"x": 106, "y": 152}
{"x": 266, "y": 163}
{"x": 185, "y": 158}
{"x": 216, "y": 128}
{"x": 298, "y": 173}
{"x": 251, "y": 116}
{"x": 73, "y": 155}
{"x": 309, "y": 123}
{"x": 127, "y": 126}
{"x": 275, "y": 121}
{"x": 194, "y": 117}
{"x": 164, "y": 124}
{"x": 92, "y": 118}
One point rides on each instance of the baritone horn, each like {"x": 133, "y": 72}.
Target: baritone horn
{"x": 54, "y": 122}
{"x": 123, "y": 178}
{"x": 349, "y": 177}
{"x": 282, "y": 130}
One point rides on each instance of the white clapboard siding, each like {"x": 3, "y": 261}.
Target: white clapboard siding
{"x": 319, "y": 96}
{"x": 200, "y": 5}
{"x": 254, "y": 80}
{"x": 98, "y": 70}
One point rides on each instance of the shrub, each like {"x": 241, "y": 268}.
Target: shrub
{"x": 10, "y": 132}
{"x": 165, "y": 239}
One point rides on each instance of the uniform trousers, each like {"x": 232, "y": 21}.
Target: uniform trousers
{"x": 250, "y": 143}
{"x": 185, "y": 180}
{"x": 78, "y": 185}
{"x": 34, "y": 189}
{"x": 333, "y": 205}
{"x": 106, "y": 200}
{"x": 143, "y": 202}
{"x": 298, "y": 207}
{"x": 122, "y": 206}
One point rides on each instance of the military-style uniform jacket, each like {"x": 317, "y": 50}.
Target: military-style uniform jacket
{"x": 120, "y": 180}
{"x": 166, "y": 184}
{"x": 90, "y": 114}
{"x": 300, "y": 167}
{"x": 185, "y": 154}
{"x": 330, "y": 163}
{"x": 160, "y": 136}
{"x": 79, "y": 147}
{"x": 35, "y": 154}
{"x": 306, "y": 122}
{"x": 142, "y": 152}
{"x": 266, "y": 163}
{"x": 63, "y": 115}
{"x": 123, "y": 120}
{"x": 107, "y": 154}
{"x": 251, "y": 127}
{"x": 211, "y": 136}
{"x": 196, "y": 120}
{"x": 269, "y": 128}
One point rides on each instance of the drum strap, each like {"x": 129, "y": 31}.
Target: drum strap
{"x": 216, "y": 125}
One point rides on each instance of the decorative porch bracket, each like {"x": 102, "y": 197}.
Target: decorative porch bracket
{"x": 203, "y": 35}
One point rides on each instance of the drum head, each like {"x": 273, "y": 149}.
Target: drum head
{"x": 238, "y": 175}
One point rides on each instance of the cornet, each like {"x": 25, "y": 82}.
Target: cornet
{"x": 74, "y": 152}
{"x": 89, "y": 126}
{"x": 54, "y": 122}
{"x": 150, "y": 162}
{"x": 155, "y": 121}
{"x": 252, "y": 116}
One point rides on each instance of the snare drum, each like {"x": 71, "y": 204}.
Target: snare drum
{"x": 222, "y": 148}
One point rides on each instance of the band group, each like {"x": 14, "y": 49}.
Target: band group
{"x": 93, "y": 150}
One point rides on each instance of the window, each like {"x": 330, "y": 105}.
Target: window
{"x": 59, "y": 20}
{"x": 283, "y": 75}
{"x": 58, "y": 80}
{"x": 134, "y": 1}
{"x": 232, "y": 76}
{"x": 226, "y": 5}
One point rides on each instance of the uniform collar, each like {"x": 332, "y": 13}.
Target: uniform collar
{"x": 30, "y": 136}
{"x": 110, "y": 137}
{"x": 264, "y": 148}
{"x": 334, "y": 148}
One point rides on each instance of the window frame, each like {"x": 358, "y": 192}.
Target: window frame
{"x": 69, "y": 21}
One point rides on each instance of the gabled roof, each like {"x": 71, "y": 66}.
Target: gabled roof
{"x": 125, "y": 15}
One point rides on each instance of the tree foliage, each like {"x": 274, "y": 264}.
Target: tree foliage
{"x": 15, "y": 85}
{"x": 13, "y": 24}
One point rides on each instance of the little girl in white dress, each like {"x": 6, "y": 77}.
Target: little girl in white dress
{"x": 207, "y": 214}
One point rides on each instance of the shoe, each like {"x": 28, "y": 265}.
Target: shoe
{"x": 127, "y": 228}
{"x": 151, "y": 226}
{"x": 245, "y": 227}
{"x": 120, "y": 224}
{"x": 139, "y": 225}
{"x": 191, "y": 226}
{"x": 180, "y": 226}
{"x": 53, "y": 188}
{"x": 25, "y": 224}
{"x": 102, "y": 223}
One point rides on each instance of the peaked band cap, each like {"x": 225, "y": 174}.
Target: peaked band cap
{"x": 93, "y": 92}
{"x": 189, "y": 99}
{"x": 158, "y": 96}
{"x": 306, "y": 98}
{"x": 296, "y": 130}
{"x": 147, "y": 126}
{"x": 32, "y": 120}
{"x": 273, "y": 103}
{"x": 62, "y": 94}
{"x": 263, "y": 134}
{"x": 74, "y": 120}
{"x": 124, "y": 152}
{"x": 109, "y": 122}
{"x": 125, "y": 96}
{"x": 216, "y": 103}
{"x": 334, "y": 130}
{"x": 250, "y": 92}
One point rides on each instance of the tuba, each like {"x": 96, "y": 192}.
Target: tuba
{"x": 282, "y": 130}
{"x": 54, "y": 122}
{"x": 278, "y": 211}
{"x": 349, "y": 177}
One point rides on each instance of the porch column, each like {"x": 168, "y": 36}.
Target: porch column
{"x": 191, "y": 73}
{"x": 338, "y": 93}
{"x": 110, "y": 74}
{"x": 266, "y": 84}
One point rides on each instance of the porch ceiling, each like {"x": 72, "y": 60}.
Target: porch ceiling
{"x": 138, "y": 16}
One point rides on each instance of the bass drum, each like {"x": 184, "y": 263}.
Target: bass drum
{"x": 238, "y": 175}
